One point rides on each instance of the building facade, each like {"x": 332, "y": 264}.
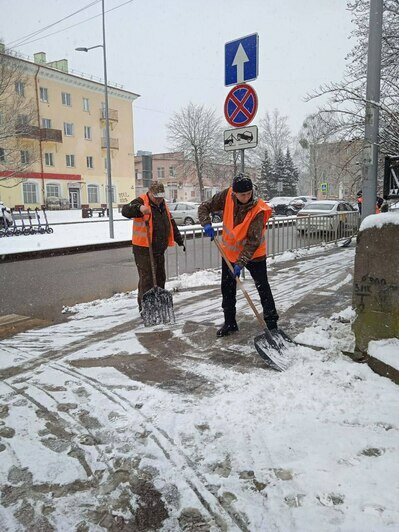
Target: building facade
{"x": 335, "y": 169}
{"x": 62, "y": 143}
{"x": 179, "y": 176}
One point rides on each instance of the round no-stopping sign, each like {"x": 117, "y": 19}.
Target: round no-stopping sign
{"x": 241, "y": 105}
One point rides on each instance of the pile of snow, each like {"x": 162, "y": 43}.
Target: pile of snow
{"x": 378, "y": 220}
{"x": 385, "y": 350}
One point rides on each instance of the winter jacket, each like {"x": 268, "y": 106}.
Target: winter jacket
{"x": 161, "y": 225}
{"x": 255, "y": 230}
{"x": 140, "y": 236}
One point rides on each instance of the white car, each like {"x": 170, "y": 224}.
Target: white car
{"x": 327, "y": 216}
{"x": 184, "y": 213}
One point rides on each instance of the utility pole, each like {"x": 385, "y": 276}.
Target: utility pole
{"x": 370, "y": 148}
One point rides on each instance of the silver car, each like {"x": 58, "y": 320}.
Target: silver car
{"x": 184, "y": 213}
{"x": 327, "y": 216}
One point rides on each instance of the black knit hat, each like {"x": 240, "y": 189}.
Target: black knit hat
{"x": 242, "y": 183}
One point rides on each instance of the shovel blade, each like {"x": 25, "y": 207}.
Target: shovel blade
{"x": 157, "y": 307}
{"x": 273, "y": 348}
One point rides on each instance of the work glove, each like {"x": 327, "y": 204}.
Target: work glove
{"x": 237, "y": 271}
{"x": 209, "y": 231}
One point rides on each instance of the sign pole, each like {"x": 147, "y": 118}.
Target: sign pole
{"x": 242, "y": 160}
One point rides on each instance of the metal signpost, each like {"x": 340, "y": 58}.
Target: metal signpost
{"x": 241, "y": 105}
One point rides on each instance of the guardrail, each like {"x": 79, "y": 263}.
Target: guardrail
{"x": 282, "y": 234}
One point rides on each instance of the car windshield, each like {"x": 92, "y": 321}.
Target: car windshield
{"x": 319, "y": 207}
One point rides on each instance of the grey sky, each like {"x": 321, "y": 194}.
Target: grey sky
{"x": 172, "y": 51}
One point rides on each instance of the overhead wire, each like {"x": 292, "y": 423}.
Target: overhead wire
{"x": 21, "y": 40}
{"x": 72, "y": 26}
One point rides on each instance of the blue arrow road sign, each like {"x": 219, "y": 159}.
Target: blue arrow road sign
{"x": 241, "y": 60}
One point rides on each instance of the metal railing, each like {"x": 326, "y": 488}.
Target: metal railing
{"x": 282, "y": 234}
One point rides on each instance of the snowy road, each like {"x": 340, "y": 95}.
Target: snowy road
{"x": 108, "y": 425}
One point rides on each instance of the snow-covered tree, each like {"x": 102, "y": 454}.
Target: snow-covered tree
{"x": 18, "y": 122}
{"x": 195, "y": 130}
{"x": 275, "y": 135}
{"x": 263, "y": 182}
{"x": 344, "y": 114}
{"x": 291, "y": 174}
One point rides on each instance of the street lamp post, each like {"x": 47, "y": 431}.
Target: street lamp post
{"x": 107, "y": 139}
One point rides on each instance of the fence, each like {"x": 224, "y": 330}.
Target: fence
{"x": 288, "y": 234}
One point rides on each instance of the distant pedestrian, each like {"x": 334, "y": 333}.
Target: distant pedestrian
{"x": 244, "y": 242}
{"x": 163, "y": 230}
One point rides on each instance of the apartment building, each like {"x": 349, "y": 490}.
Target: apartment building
{"x": 62, "y": 143}
{"x": 179, "y": 176}
{"x": 335, "y": 169}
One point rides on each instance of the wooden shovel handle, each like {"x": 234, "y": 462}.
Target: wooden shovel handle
{"x": 239, "y": 283}
{"x": 152, "y": 262}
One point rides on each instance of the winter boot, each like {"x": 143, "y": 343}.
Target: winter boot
{"x": 228, "y": 328}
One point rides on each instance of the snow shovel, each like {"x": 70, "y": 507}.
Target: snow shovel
{"x": 157, "y": 303}
{"x": 271, "y": 347}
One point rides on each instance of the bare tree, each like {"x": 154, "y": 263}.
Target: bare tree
{"x": 18, "y": 118}
{"x": 345, "y": 110}
{"x": 196, "y": 131}
{"x": 275, "y": 135}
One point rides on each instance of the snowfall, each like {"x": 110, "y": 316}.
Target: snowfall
{"x": 108, "y": 425}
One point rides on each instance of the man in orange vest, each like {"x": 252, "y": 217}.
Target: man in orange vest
{"x": 244, "y": 242}
{"x": 163, "y": 231}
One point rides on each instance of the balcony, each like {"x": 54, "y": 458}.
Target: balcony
{"x": 112, "y": 115}
{"x": 36, "y": 133}
{"x": 113, "y": 143}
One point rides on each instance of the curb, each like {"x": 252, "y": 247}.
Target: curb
{"x": 41, "y": 254}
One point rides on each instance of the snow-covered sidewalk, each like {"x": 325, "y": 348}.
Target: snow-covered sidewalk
{"x": 106, "y": 424}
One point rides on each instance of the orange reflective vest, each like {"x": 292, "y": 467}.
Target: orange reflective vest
{"x": 140, "y": 231}
{"x": 234, "y": 238}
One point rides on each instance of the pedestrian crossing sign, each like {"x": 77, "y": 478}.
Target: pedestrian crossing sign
{"x": 324, "y": 187}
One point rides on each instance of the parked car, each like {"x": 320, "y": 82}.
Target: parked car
{"x": 288, "y": 205}
{"x": 327, "y": 216}
{"x": 184, "y": 213}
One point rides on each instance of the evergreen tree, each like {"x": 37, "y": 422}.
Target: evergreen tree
{"x": 263, "y": 182}
{"x": 290, "y": 176}
{"x": 277, "y": 175}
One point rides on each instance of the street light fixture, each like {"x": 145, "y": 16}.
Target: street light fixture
{"x": 107, "y": 139}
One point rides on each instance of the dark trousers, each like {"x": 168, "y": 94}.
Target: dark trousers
{"x": 258, "y": 273}
{"x": 142, "y": 259}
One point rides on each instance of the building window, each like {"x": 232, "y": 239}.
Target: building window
{"x": 92, "y": 194}
{"x": 68, "y": 129}
{"x": 53, "y": 190}
{"x": 113, "y": 194}
{"x": 70, "y": 161}
{"x": 46, "y": 123}
{"x": 2, "y": 155}
{"x": 66, "y": 98}
{"x": 161, "y": 172}
{"x": 48, "y": 159}
{"x": 24, "y": 157}
{"x": 20, "y": 88}
{"x": 87, "y": 132}
{"x": 30, "y": 192}
{"x": 86, "y": 105}
{"x": 89, "y": 162}
{"x": 22, "y": 120}
{"x": 172, "y": 171}
{"x": 43, "y": 94}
